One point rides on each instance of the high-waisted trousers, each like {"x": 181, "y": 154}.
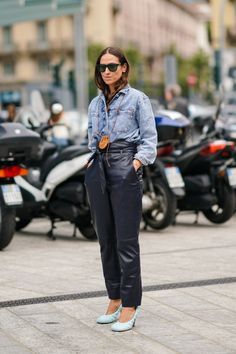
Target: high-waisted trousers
{"x": 114, "y": 192}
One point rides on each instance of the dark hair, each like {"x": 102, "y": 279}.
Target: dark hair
{"x": 117, "y": 52}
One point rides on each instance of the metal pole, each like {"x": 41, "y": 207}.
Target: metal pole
{"x": 222, "y": 37}
{"x": 81, "y": 68}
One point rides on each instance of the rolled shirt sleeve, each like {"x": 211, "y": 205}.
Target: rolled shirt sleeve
{"x": 146, "y": 151}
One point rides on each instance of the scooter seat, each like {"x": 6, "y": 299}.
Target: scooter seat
{"x": 63, "y": 155}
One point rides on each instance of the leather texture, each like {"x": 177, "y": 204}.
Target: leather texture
{"x": 114, "y": 191}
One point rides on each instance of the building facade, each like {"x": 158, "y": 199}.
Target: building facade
{"x": 223, "y": 31}
{"x": 33, "y": 53}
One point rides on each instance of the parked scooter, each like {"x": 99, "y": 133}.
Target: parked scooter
{"x": 207, "y": 169}
{"x": 223, "y": 126}
{"x": 17, "y": 146}
{"x": 209, "y": 175}
{"x": 163, "y": 183}
{"x": 55, "y": 188}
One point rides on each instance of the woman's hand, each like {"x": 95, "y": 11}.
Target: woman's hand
{"x": 137, "y": 164}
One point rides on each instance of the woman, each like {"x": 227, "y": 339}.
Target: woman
{"x": 122, "y": 136}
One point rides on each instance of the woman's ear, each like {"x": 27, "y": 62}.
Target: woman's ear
{"x": 124, "y": 68}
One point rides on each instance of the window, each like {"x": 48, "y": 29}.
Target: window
{"x": 9, "y": 68}
{"x": 42, "y": 31}
{"x": 43, "y": 66}
{"x": 7, "y": 35}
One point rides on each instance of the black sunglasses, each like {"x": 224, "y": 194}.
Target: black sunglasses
{"x": 111, "y": 67}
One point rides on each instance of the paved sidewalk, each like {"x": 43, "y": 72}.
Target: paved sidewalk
{"x": 186, "y": 320}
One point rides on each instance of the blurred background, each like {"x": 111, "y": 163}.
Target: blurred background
{"x": 48, "y": 50}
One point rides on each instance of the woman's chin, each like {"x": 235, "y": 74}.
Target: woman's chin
{"x": 109, "y": 82}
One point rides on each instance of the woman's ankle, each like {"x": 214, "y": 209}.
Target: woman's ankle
{"x": 113, "y": 305}
{"x": 115, "y": 301}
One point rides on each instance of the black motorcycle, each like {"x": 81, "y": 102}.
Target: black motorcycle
{"x": 17, "y": 146}
{"x": 209, "y": 174}
{"x": 207, "y": 168}
{"x": 163, "y": 186}
{"x": 163, "y": 183}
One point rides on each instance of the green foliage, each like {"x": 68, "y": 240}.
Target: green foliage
{"x": 94, "y": 49}
{"x": 140, "y": 71}
{"x": 133, "y": 55}
{"x": 134, "y": 58}
{"x": 198, "y": 64}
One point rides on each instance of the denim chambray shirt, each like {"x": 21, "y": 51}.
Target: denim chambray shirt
{"x": 129, "y": 117}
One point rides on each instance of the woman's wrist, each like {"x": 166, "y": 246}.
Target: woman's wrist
{"x": 137, "y": 164}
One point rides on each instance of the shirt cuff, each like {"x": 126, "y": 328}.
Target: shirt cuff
{"x": 141, "y": 159}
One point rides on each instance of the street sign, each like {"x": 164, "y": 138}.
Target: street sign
{"x": 12, "y": 11}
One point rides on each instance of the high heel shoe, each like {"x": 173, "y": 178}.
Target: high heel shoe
{"x": 105, "y": 319}
{"x": 125, "y": 326}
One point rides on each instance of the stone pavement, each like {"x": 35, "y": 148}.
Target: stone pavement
{"x": 186, "y": 320}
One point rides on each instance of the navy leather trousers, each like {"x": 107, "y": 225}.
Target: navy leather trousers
{"x": 114, "y": 191}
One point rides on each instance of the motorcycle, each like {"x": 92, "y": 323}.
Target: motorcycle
{"x": 17, "y": 146}
{"x": 223, "y": 127}
{"x": 163, "y": 184}
{"x": 209, "y": 174}
{"x": 55, "y": 188}
{"x": 207, "y": 171}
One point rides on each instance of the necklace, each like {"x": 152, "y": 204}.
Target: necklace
{"x": 105, "y": 139}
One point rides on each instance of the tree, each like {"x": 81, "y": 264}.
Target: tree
{"x": 199, "y": 65}
{"x": 94, "y": 49}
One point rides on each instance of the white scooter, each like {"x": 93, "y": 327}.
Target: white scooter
{"x": 55, "y": 188}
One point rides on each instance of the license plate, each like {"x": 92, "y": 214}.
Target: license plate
{"x": 232, "y": 176}
{"x": 12, "y": 194}
{"x": 174, "y": 177}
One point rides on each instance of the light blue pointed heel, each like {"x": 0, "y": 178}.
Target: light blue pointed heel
{"x": 105, "y": 319}
{"x": 126, "y": 326}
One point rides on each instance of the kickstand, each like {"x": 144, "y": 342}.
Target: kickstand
{"x": 197, "y": 216}
{"x": 50, "y": 232}
{"x": 174, "y": 220}
{"x": 74, "y": 232}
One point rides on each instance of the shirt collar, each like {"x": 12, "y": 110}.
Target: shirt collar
{"x": 125, "y": 90}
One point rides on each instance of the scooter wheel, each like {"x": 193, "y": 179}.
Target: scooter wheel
{"x": 87, "y": 231}
{"x": 225, "y": 208}
{"x": 163, "y": 211}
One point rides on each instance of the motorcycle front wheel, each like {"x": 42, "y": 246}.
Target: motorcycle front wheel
{"x": 87, "y": 229}
{"x": 163, "y": 211}
{"x": 7, "y": 226}
{"x": 222, "y": 212}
